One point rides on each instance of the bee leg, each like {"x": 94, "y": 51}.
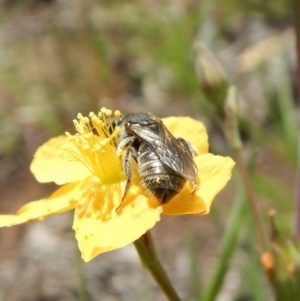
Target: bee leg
{"x": 195, "y": 186}
{"x": 188, "y": 146}
{"x": 127, "y": 170}
{"x": 125, "y": 143}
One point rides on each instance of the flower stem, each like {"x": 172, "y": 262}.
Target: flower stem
{"x": 296, "y": 9}
{"x": 251, "y": 200}
{"x": 232, "y": 134}
{"x": 148, "y": 256}
{"x": 228, "y": 243}
{"x": 297, "y": 212}
{"x": 82, "y": 285}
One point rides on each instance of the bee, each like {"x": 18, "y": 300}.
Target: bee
{"x": 164, "y": 162}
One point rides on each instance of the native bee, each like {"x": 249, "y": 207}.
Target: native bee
{"x": 164, "y": 162}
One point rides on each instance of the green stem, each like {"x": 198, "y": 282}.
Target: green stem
{"x": 232, "y": 134}
{"x": 148, "y": 256}
{"x": 227, "y": 248}
{"x": 82, "y": 285}
{"x": 251, "y": 200}
{"x": 296, "y": 9}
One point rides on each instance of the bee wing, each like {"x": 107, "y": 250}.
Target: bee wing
{"x": 190, "y": 167}
{"x": 175, "y": 153}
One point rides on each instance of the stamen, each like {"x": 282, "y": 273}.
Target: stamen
{"x": 117, "y": 114}
{"x": 96, "y": 152}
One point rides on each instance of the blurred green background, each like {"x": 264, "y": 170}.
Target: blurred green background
{"x": 59, "y": 57}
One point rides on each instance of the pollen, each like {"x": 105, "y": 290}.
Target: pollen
{"x": 95, "y": 144}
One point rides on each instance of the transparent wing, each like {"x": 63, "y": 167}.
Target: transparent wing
{"x": 175, "y": 153}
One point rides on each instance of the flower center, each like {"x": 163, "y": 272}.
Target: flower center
{"x": 94, "y": 145}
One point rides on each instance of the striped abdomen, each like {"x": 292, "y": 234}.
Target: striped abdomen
{"x": 160, "y": 179}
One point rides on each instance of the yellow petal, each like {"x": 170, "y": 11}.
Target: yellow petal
{"x": 214, "y": 173}
{"x": 185, "y": 203}
{"x": 103, "y": 229}
{"x": 48, "y": 164}
{"x": 190, "y": 129}
{"x": 61, "y": 200}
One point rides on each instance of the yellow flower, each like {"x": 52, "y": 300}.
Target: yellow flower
{"x": 92, "y": 179}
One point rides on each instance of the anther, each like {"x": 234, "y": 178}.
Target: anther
{"x": 117, "y": 113}
{"x": 108, "y": 113}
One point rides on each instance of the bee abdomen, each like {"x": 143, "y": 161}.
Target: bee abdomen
{"x": 164, "y": 186}
{"x": 161, "y": 180}
{"x": 149, "y": 163}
